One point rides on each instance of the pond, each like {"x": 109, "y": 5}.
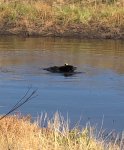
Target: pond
{"x": 95, "y": 95}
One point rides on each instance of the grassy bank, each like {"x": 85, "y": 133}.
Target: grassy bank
{"x": 18, "y": 133}
{"x": 80, "y": 18}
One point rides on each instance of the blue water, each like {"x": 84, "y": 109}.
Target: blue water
{"x": 95, "y": 95}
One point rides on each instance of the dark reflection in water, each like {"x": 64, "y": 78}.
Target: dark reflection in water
{"x": 96, "y": 92}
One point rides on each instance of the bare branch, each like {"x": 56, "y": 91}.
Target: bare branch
{"x": 27, "y": 96}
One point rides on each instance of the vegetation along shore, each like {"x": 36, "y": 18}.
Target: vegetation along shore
{"x": 63, "y": 18}
{"x": 21, "y": 133}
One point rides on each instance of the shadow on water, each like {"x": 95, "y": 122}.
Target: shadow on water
{"x": 71, "y": 74}
{"x": 66, "y": 74}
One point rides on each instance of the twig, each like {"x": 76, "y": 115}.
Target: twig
{"x": 21, "y": 102}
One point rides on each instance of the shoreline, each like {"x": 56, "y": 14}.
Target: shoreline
{"x": 62, "y": 18}
{"x": 78, "y": 33}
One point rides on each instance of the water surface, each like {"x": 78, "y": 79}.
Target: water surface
{"x": 94, "y": 94}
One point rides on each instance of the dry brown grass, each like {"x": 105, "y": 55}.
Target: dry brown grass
{"x": 82, "y": 18}
{"x": 19, "y": 133}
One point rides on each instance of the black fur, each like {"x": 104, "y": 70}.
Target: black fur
{"x": 61, "y": 69}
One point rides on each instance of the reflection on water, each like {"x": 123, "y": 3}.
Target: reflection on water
{"x": 97, "y": 53}
{"x": 96, "y": 92}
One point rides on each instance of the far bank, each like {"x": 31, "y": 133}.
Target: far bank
{"x": 81, "y": 19}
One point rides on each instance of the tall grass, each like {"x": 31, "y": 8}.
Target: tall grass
{"x": 93, "y": 18}
{"x": 20, "y": 133}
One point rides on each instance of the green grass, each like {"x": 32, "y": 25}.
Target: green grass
{"x": 93, "y": 19}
